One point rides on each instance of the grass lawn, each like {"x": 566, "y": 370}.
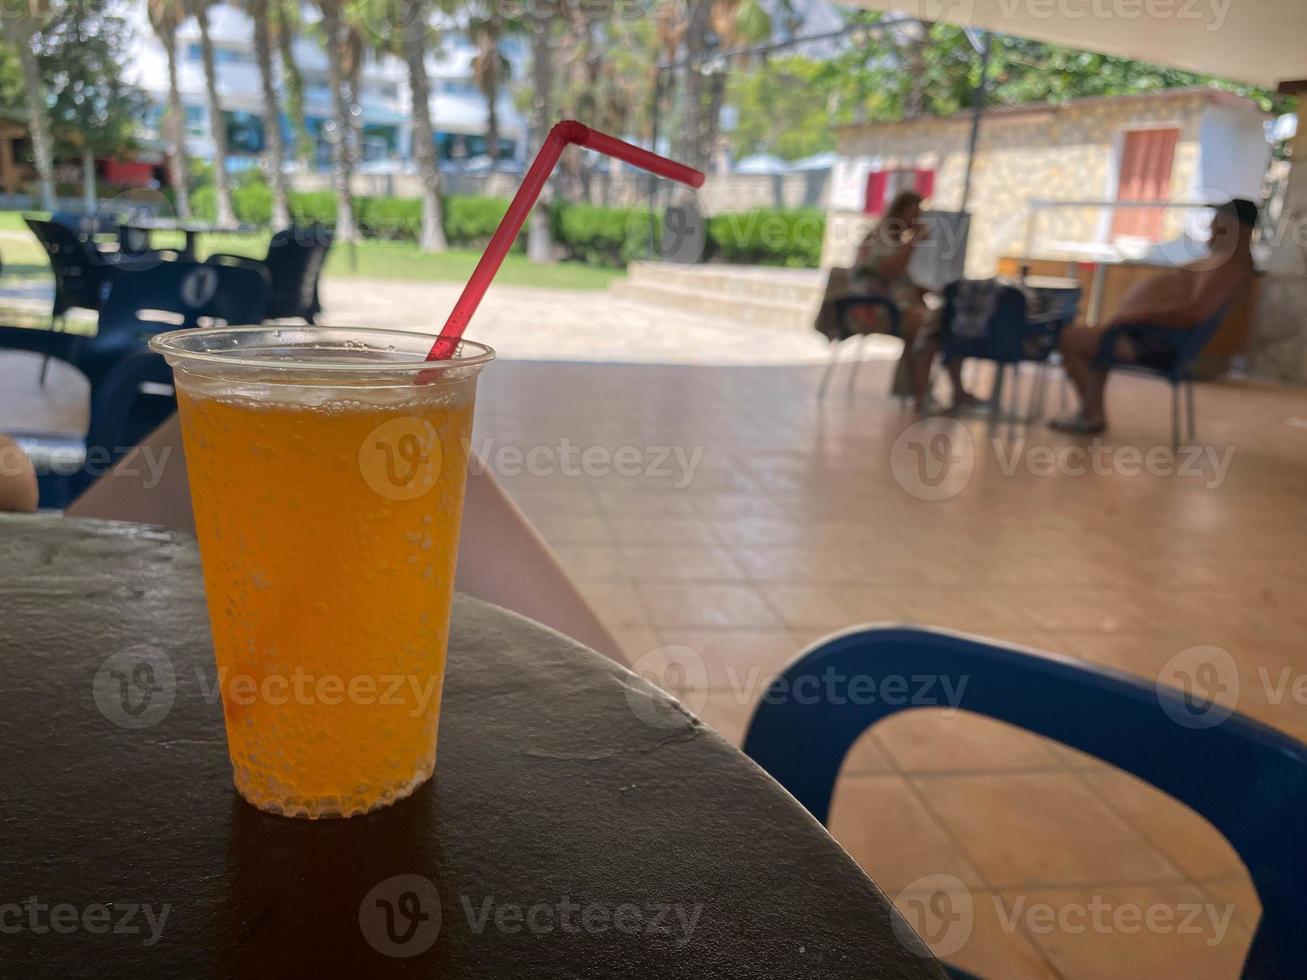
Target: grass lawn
{"x": 24, "y": 258}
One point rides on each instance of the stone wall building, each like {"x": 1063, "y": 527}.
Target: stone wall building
{"x": 1044, "y": 175}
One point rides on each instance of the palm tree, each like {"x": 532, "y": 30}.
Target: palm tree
{"x": 285, "y": 26}
{"x": 217, "y": 121}
{"x": 490, "y": 69}
{"x": 413, "y": 41}
{"x": 22, "y": 21}
{"x": 342, "y": 127}
{"x": 274, "y": 154}
{"x": 165, "y": 17}
{"x": 539, "y": 247}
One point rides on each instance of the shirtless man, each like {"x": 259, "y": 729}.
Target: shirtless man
{"x": 1179, "y": 300}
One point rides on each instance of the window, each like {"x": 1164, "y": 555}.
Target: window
{"x": 1144, "y": 175}
{"x": 195, "y": 121}
{"x": 884, "y": 185}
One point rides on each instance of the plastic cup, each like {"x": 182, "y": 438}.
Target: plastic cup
{"x": 327, "y": 469}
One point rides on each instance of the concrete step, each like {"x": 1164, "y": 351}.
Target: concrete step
{"x": 788, "y": 316}
{"x": 786, "y": 298}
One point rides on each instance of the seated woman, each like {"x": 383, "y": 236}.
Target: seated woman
{"x": 1179, "y": 299}
{"x": 881, "y": 268}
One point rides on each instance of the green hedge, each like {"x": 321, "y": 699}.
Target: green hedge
{"x": 602, "y": 236}
{"x": 595, "y": 235}
{"x": 767, "y": 236}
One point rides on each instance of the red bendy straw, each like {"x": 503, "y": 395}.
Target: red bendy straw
{"x": 568, "y": 131}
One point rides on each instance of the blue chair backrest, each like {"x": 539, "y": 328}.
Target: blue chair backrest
{"x": 1003, "y": 331}
{"x": 170, "y": 296}
{"x": 1247, "y": 780}
{"x": 1195, "y": 340}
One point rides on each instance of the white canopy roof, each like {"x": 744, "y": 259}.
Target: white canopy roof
{"x": 1263, "y": 42}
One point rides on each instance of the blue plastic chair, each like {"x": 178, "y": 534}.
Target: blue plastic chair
{"x": 130, "y": 401}
{"x": 1012, "y": 335}
{"x": 1246, "y": 779}
{"x": 1177, "y": 370}
{"x": 169, "y": 296}
{"x": 123, "y": 375}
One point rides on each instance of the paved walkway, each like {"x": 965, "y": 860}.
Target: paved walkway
{"x": 590, "y": 325}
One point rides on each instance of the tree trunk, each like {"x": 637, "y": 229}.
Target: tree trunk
{"x": 539, "y": 246}
{"x": 20, "y": 31}
{"x": 273, "y": 156}
{"x": 294, "y": 83}
{"x": 343, "y": 160}
{"x": 432, "y": 236}
{"x": 90, "y": 200}
{"x": 174, "y": 125}
{"x": 217, "y": 122}
{"x": 695, "y": 152}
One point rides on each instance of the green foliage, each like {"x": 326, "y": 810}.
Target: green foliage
{"x": 313, "y": 207}
{"x": 767, "y": 236}
{"x": 91, "y": 104}
{"x": 601, "y": 236}
{"x": 389, "y": 217}
{"x": 471, "y": 220}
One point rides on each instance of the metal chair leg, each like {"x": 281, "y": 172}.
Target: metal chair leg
{"x": 1193, "y": 422}
{"x": 1175, "y": 417}
{"x": 996, "y": 397}
{"x": 858, "y": 341}
{"x": 830, "y": 369}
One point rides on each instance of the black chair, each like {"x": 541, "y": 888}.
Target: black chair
{"x": 121, "y": 371}
{"x": 83, "y": 275}
{"x": 1247, "y": 780}
{"x": 1175, "y": 367}
{"x": 837, "y": 324}
{"x": 294, "y": 263}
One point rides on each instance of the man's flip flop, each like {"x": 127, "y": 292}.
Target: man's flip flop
{"x": 1076, "y": 426}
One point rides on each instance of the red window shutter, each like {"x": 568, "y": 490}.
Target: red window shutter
{"x": 1145, "y": 175}
{"x": 923, "y": 182}
{"x": 874, "y": 202}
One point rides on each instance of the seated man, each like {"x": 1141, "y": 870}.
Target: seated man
{"x": 1179, "y": 300}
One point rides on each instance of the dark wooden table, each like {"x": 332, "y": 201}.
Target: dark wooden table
{"x": 571, "y": 830}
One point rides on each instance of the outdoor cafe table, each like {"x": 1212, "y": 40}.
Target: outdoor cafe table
{"x": 568, "y": 831}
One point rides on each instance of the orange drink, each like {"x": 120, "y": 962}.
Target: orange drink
{"x": 327, "y": 470}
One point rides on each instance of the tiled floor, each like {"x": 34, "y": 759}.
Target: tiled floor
{"x": 801, "y": 518}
